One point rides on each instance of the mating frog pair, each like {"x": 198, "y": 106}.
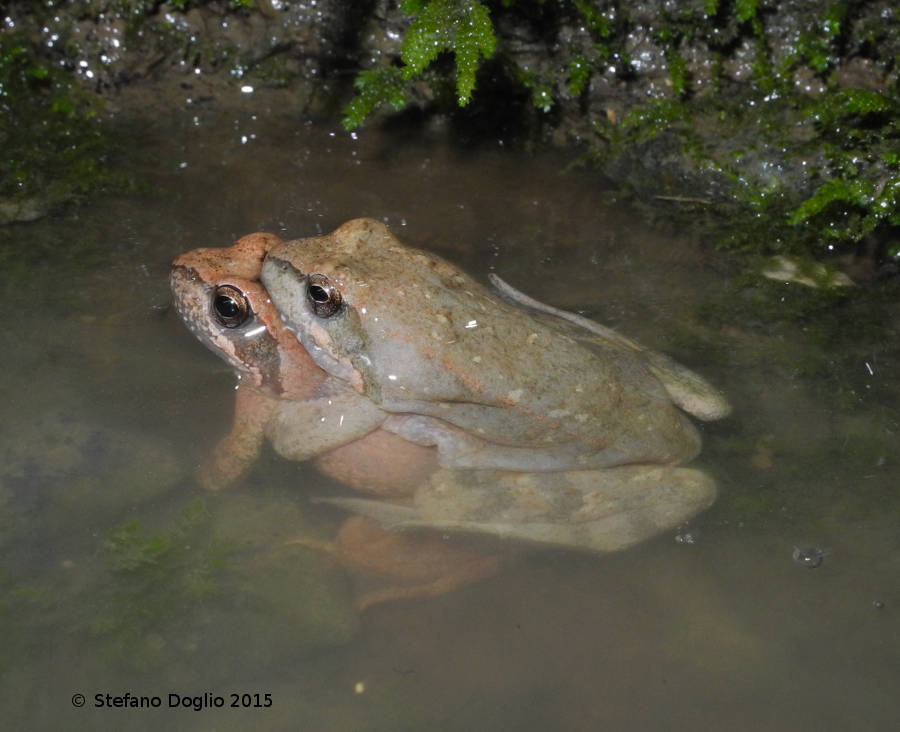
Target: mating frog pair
{"x": 456, "y": 408}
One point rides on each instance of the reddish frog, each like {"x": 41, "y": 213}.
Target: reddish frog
{"x": 284, "y": 396}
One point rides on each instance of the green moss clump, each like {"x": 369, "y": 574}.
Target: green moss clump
{"x": 458, "y": 27}
{"x": 375, "y": 88}
{"x": 861, "y": 189}
{"x": 166, "y": 559}
{"x": 154, "y": 577}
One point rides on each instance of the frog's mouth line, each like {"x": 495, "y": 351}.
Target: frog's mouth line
{"x": 341, "y": 368}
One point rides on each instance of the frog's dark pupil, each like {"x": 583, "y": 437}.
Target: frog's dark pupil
{"x": 230, "y": 307}
{"x": 226, "y": 306}
{"x": 323, "y": 296}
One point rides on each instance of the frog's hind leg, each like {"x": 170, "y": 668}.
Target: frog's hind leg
{"x": 474, "y": 571}
{"x": 690, "y": 391}
{"x": 510, "y": 293}
{"x": 596, "y": 510}
{"x": 402, "y": 567}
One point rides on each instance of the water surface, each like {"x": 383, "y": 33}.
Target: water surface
{"x": 120, "y": 575}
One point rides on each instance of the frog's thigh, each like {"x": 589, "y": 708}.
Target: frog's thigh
{"x": 381, "y": 463}
{"x": 600, "y": 510}
{"x": 460, "y": 449}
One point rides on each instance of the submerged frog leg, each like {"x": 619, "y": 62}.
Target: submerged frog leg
{"x": 472, "y": 571}
{"x": 595, "y": 510}
{"x": 235, "y": 454}
{"x": 688, "y": 390}
{"x": 409, "y": 566}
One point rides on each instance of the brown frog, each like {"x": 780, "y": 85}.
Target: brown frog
{"x": 548, "y": 428}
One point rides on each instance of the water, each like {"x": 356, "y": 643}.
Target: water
{"x": 120, "y": 575}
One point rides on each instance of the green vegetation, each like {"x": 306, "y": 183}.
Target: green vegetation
{"x": 860, "y": 134}
{"x": 53, "y": 147}
{"x": 795, "y": 142}
{"x": 850, "y": 188}
{"x": 156, "y": 575}
{"x": 456, "y": 27}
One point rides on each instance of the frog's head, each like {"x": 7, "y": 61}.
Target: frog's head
{"x": 219, "y": 297}
{"x": 321, "y": 316}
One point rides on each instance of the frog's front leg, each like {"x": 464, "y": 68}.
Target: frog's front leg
{"x": 235, "y": 454}
{"x": 335, "y": 416}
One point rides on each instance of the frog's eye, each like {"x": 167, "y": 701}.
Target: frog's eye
{"x": 324, "y": 297}
{"x": 230, "y": 306}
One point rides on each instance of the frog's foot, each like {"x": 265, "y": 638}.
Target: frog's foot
{"x": 596, "y": 510}
{"x": 319, "y": 545}
{"x": 401, "y": 567}
{"x": 389, "y": 515}
{"x": 472, "y": 571}
{"x": 690, "y": 391}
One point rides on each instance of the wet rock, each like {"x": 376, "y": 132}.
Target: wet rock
{"x": 654, "y": 52}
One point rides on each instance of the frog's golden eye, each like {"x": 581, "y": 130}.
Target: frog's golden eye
{"x": 230, "y": 306}
{"x": 324, "y": 297}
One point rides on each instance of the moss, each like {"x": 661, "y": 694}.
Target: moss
{"x": 54, "y": 147}
{"x": 375, "y": 88}
{"x": 456, "y": 27}
{"x": 748, "y": 141}
{"x": 750, "y": 135}
{"x": 145, "y": 559}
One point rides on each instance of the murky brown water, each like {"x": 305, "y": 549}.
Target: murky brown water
{"x": 119, "y": 575}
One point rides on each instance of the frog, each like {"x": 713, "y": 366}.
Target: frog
{"x": 548, "y": 428}
{"x": 283, "y": 396}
